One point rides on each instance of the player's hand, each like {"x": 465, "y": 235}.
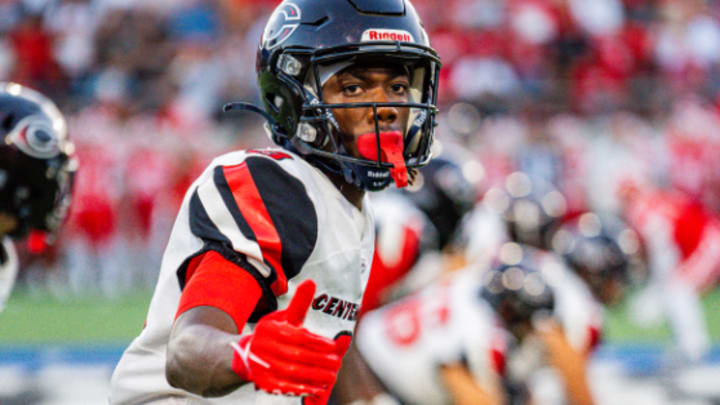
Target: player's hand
{"x": 341, "y": 346}
{"x": 282, "y": 357}
{"x": 568, "y": 362}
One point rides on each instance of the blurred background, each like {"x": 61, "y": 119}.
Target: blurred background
{"x": 588, "y": 95}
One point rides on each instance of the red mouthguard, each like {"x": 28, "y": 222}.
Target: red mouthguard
{"x": 391, "y": 151}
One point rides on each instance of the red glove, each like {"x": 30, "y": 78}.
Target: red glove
{"x": 342, "y": 343}
{"x": 282, "y": 357}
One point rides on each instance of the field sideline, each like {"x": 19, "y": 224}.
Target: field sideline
{"x": 62, "y": 352}
{"x": 32, "y": 319}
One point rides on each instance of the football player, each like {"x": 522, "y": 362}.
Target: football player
{"x": 601, "y": 249}
{"x": 682, "y": 240}
{"x": 415, "y": 231}
{"x": 522, "y": 209}
{"x": 561, "y": 345}
{"x": 445, "y": 194}
{"x": 262, "y": 278}
{"x": 447, "y": 343}
{"x": 37, "y": 167}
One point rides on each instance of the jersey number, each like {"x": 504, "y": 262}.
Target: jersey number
{"x": 404, "y": 322}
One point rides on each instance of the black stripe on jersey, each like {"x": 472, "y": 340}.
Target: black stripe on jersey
{"x": 4, "y": 256}
{"x": 291, "y": 210}
{"x": 201, "y": 225}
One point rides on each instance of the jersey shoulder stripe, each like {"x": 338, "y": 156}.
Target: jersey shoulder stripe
{"x": 262, "y": 212}
{"x": 202, "y": 225}
{"x": 214, "y": 210}
{"x": 252, "y": 216}
{"x": 280, "y": 213}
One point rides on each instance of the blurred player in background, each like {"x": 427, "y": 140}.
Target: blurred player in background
{"x": 447, "y": 343}
{"x": 349, "y": 91}
{"x": 596, "y": 252}
{"x": 37, "y": 167}
{"x": 552, "y": 363}
{"x": 587, "y": 257}
{"x": 521, "y": 209}
{"x": 603, "y": 250}
{"x": 445, "y": 194}
{"x": 416, "y": 230}
{"x": 682, "y": 239}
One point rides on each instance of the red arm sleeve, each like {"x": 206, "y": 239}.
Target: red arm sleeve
{"x": 214, "y": 281}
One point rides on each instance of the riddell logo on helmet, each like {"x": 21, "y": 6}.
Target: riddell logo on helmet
{"x": 381, "y": 34}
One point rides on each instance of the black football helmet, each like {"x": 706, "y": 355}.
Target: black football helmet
{"x": 516, "y": 289}
{"x": 37, "y": 163}
{"x": 305, "y": 37}
{"x": 529, "y": 206}
{"x": 445, "y": 194}
{"x": 601, "y": 249}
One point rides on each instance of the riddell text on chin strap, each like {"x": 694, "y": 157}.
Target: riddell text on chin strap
{"x": 391, "y": 151}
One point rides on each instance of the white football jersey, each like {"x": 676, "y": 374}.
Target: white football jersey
{"x": 405, "y": 342}
{"x": 483, "y": 232}
{"x": 280, "y": 219}
{"x": 8, "y": 269}
{"x": 579, "y": 313}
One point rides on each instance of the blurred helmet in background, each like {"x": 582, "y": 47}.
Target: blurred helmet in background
{"x": 444, "y": 193}
{"x": 37, "y": 163}
{"x": 529, "y": 206}
{"x": 517, "y": 290}
{"x": 307, "y": 41}
{"x": 601, "y": 249}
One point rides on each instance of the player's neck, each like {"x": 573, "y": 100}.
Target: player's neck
{"x": 351, "y": 193}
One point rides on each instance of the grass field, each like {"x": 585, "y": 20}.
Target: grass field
{"x": 619, "y": 328}
{"x": 32, "y": 319}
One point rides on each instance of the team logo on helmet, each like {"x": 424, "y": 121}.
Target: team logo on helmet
{"x": 36, "y": 137}
{"x": 282, "y": 24}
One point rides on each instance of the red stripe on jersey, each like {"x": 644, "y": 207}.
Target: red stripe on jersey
{"x": 251, "y": 206}
{"x": 384, "y": 275}
{"x": 216, "y": 282}
{"x": 594, "y": 338}
{"x": 498, "y": 350}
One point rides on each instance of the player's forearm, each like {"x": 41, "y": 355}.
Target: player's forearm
{"x": 199, "y": 360}
{"x": 464, "y": 390}
{"x": 569, "y": 363}
{"x": 571, "y": 366}
{"x": 200, "y": 352}
{"x": 577, "y": 388}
